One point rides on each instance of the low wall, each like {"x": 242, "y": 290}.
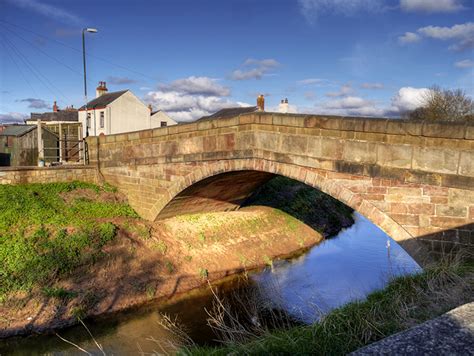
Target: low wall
{"x": 19, "y": 175}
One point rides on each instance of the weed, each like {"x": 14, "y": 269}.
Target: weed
{"x": 202, "y": 238}
{"x": 139, "y": 230}
{"x": 150, "y": 291}
{"x": 188, "y": 258}
{"x": 79, "y": 312}
{"x": 58, "y": 293}
{"x": 268, "y": 261}
{"x": 161, "y": 246}
{"x": 203, "y": 273}
{"x": 169, "y": 266}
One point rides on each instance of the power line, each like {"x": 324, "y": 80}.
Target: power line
{"x": 19, "y": 68}
{"x": 79, "y": 50}
{"x": 35, "y": 71}
{"x": 44, "y": 52}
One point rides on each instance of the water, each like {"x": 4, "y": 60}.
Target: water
{"x": 345, "y": 268}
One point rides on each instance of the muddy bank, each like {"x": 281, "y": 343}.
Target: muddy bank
{"x": 152, "y": 262}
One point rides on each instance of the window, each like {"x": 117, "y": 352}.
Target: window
{"x": 164, "y": 124}
{"x": 88, "y": 120}
{"x": 101, "y": 119}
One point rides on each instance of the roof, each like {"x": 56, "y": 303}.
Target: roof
{"x": 17, "y": 130}
{"x": 20, "y": 130}
{"x": 64, "y": 115}
{"x": 103, "y": 100}
{"x": 230, "y": 112}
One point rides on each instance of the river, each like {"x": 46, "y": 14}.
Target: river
{"x": 347, "y": 267}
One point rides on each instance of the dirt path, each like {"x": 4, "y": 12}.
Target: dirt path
{"x": 151, "y": 262}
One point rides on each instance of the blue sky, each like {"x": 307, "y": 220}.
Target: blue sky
{"x": 191, "y": 58}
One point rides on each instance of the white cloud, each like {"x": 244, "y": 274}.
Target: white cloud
{"x": 409, "y": 37}
{"x": 346, "y": 89}
{"x": 312, "y": 81}
{"x": 312, "y": 9}
{"x": 350, "y": 102}
{"x": 462, "y": 34}
{"x": 254, "y": 69}
{"x": 408, "y": 98}
{"x": 466, "y": 63}
{"x": 461, "y": 31}
{"x": 49, "y": 11}
{"x": 431, "y": 6}
{"x": 352, "y": 106}
{"x": 13, "y": 118}
{"x": 35, "y": 103}
{"x": 120, "y": 80}
{"x": 190, "y": 98}
{"x": 197, "y": 85}
{"x": 372, "y": 86}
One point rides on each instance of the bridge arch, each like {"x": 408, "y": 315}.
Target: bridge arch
{"x": 208, "y": 187}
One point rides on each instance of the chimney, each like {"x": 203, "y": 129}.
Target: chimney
{"x": 283, "y": 107}
{"x": 261, "y": 103}
{"x": 55, "y": 107}
{"x": 150, "y": 107}
{"x": 101, "y": 89}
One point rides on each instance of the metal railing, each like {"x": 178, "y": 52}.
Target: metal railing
{"x": 66, "y": 152}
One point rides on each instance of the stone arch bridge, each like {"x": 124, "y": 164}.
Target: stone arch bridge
{"x": 415, "y": 180}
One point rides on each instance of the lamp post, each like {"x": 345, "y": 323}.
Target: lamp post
{"x": 84, "y": 30}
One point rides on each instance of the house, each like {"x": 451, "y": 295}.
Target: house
{"x": 117, "y": 112}
{"x": 65, "y": 124}
{"x": 236, "y": 111}
{"x": 19, "y": 145}
{"x": 160, "y": 119}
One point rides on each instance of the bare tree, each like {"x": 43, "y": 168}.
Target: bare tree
{"x": 444, "y": 105}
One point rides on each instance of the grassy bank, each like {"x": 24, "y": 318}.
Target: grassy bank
{"x": 315, "y": 208}
{"x": 405, "y": 302}
{"x": 48, "y": 230}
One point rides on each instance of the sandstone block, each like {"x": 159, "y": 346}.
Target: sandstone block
{"x": 435, "y": 160}
{"x": 357, "y": 151}
{"x": 394, "y": 155}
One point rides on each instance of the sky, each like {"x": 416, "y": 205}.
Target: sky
{"x": 191, "y": 58}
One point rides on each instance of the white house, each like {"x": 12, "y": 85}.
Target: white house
{"x": 117, "y": 112}
{"x": 160, "y": 118}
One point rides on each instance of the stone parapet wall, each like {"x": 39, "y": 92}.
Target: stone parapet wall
{"x": 440, "y": 154}
{"x": 21, "y": 175}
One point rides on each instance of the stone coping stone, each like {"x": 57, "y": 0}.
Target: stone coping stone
{"x": 34, "y": 168}
{"x": 449, "y": 334}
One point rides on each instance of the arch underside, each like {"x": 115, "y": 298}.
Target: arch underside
{"x": 229, "y": 187}
{"x": 222, "y": 192}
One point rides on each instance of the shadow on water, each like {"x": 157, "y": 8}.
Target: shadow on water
{"x": 357, "y": 261}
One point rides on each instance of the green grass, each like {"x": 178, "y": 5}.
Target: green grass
{"x": 405, "y": 302}
{"x": 43, "y": 237}
{"x": 58, "y": 293}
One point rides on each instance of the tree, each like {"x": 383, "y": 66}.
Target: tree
{"x": 444, "y": 105}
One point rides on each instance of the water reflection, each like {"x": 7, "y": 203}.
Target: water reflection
{"x": 345, "y": 268}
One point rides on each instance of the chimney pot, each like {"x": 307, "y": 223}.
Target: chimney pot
{"x": 55, "y": 107}
{"x": 261, "y": 103}
{"x": 101, "y": 89}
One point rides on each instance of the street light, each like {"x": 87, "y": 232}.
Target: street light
{"x": 84, "y": 30}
